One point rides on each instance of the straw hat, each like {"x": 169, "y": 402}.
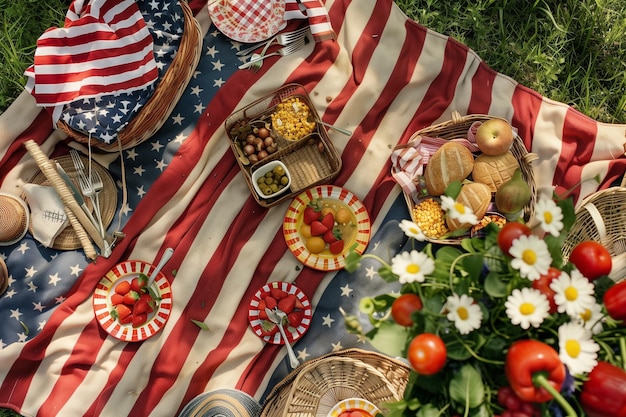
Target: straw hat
{"x": 248, "y": 20}
{"x": 4, "y": 276}
{"x": 13, "y": 219}
{"x": 222, "y": 403}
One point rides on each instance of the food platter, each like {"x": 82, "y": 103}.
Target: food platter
{"x": 102, "y": 304}
{"x": 325, "y": 261}
{"x": 257, "y": 320}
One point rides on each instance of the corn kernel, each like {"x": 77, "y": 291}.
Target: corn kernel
{"x": 291, "y": 119}
{"x": 429, "y": 216}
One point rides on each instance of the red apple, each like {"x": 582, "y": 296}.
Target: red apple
{"x": 494, "y": 137}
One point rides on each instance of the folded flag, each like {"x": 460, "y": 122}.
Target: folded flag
{"x": 317, "y": 15}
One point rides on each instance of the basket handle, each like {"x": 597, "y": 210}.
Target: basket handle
{"x": 597, "y": 219}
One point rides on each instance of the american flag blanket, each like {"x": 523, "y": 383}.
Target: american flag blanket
{"x": 384, "y": 77}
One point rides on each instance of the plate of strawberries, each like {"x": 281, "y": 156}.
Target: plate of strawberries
{"x": 126, "y": 307}
{"x": 286, "y": 297}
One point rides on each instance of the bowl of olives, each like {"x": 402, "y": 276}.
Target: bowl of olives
{"x": 271, "y": 179}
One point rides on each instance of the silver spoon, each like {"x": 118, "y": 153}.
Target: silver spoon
{"x": 276, "y": 317}
{"x": 335, "y": 128}
{"x": 166, "y": 257}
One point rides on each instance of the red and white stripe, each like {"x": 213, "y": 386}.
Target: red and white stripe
{"x": 104, "y": 47}
{"x": 385, "y": 78}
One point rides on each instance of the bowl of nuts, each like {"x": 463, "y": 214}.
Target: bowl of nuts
{"x": 271, "y": 180}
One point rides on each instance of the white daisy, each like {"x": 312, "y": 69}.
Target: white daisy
{"x": 530, "y": 256}
{"x": 549, "y": 215}
{"x": 577, "y": 350}
{"x": 592, "y": 318}
{"x": 412, "y": 266}
{"x": 411, "y": 229}
{"x": 527, "y": 307}
{"x": 574, "y": 293}
{"x": 458, "y": 211}
{"x": 464, "y": 313}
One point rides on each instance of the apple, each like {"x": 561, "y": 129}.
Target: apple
{"x": 494, "y": 137}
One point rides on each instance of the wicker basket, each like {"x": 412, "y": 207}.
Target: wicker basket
{"x": 458, "y": 127}
{"x": 171, "y": 86}
{"x": 601, "y": 217}
{"x": 315, "y": 387}
{"x": 311, "y": 161}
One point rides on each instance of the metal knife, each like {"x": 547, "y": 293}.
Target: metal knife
{"x": 76, "y": 193}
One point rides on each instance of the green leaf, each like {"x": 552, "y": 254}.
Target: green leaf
{"x": 390, "y": 338}
{"x": 453, "y": 189}
{"x": 386, "y": 274}
{"x": 200, "y": 324}
{"x": 466, "y": 387}
{"x": 353, "y": 260}
{"x": 495, "y": 286}
{"x": 428, "y": 410}
{"x": 473, "y": 264}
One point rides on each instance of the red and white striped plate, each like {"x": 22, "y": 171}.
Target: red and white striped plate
{"x": 293, "y": 220}
{"x": 248, "y": 20}
{"x": 102, "y": 302}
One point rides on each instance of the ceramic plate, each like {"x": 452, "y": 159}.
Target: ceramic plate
{"x": 293, "y": 221}
{"x": 293, "y": 333}
{"x": 248, "y": 21}
{"x": 102, "y": 306}
{"x": 353, "y": 404}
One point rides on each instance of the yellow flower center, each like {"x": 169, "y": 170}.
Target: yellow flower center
{"x": 412, "y": 268}
{"x": 547, "y": 217}
{"x": 529, "y": 256}
{"x": 462, "y": 313}
{"x": 527, "y": 309}
{"x": 571, "y": 293}
{"x": 459, "y": 207}
{"x": 586, "y": 315}
{"x": 572, "y": 347}
{"x": 414, "y": 230}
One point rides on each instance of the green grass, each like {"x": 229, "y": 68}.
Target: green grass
{"x": 573, "y": 51}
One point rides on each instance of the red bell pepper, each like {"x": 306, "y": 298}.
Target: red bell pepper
{"x": 528, "y": 360}
{"x": 604, "y": 393}
{"x": 615, "y": 301}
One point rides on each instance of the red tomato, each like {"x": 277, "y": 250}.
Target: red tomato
{"x": 427, "y": 353}
{"x": 592, "y": 259}
{"x": 403, "y": 307}
{"x": 509, "y": 232}
{"x": 543, "y": 286}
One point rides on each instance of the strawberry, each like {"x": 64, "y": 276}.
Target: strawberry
{"x": 122, "y": 288}
{"x": 138, "y": 284}
{"x": 121, "y": 312}
{"x": 287, "y": 304}
{"x": 318, "y": 228}
{"x": 295, "y": 317}
{"x": 336, "y": 247}
{"x": 270, "y": 302}
{"x": 262, "y": 313}
{"x": 131, "y": 297}
{"x": 268, "y": 328}
{"x": 139, "y": 319}
{"x": 142, "y": 306}
{"x": 310, "y": 214}
{"x": 328, "y": 220}
{"x": 299, "y": 304}
{"x": 330, "y": 236}
{"x": 117, "y": 299}
{"x": 277, "y": 293}
{"x": 126, "y": 320}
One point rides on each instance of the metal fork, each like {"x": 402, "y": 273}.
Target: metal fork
{"x": 90, "y": 185}
{"x": 279, "y": 39}
{"x": 285, "y": 50}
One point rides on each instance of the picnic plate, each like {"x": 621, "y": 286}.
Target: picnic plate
{"x": 102, "y": 306}
{"x": 256, "y": 321}
{"x": 248, "y": 21}
{"x": 293, "y": 221}
{"x": 353, "y": 404}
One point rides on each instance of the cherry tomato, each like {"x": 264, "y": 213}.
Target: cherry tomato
{"x": 592, "y": 259}
{"x": 427, "y": 353}
{"x": 403, "y": 307}
{"x": 509, "y": 232}
{"x": 543, "y": 286}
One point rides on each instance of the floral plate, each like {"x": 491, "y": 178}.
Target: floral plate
{"x": 102, "y": 306}
{"x": 293, "y": 220}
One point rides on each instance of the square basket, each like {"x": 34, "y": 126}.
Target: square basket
{"x": 458, "y": 128}
{"x": 311, "y": 160}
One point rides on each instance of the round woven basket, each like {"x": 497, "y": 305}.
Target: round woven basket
{"x": 171, "y": 86}
{"x": 4, "y": 276}
{"x": 601, "y": 217}
{"x": 14, "y": 217}
{"x": 314, "y": 388}
{"x": 458, "y": 127}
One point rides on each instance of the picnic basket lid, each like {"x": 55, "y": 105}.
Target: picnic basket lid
{"x": 67, "y": 239}
{"x": 170, "y": 88}
{"x": 312, "y": 389}
{"x": 248, "y": 20}
{"x": 14, "y": 217}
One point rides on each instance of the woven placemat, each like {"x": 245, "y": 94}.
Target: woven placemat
{"x": 67, "y": 239}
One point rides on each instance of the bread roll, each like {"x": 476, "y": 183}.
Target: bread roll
{"x": 450, "y": 162}
{"x": 494, "y": 170}
{"x": 476, "y": 196}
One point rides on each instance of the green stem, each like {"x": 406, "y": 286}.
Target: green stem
{"x": 622, "y": 349}
{"x": 474, "y": 354}
{"x": 540, "y": 380}
{"x": 376, "y": 257}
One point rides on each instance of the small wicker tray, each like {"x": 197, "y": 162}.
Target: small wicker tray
{"x": 311, "y": 161}
{"x": 601, "y": 217}
{"x": 166, "y": 95}
{"x": 458, "y": 127}
{"x": 314, "y": 388}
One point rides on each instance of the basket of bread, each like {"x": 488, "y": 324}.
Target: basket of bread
{"x": 482, "y": 159}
